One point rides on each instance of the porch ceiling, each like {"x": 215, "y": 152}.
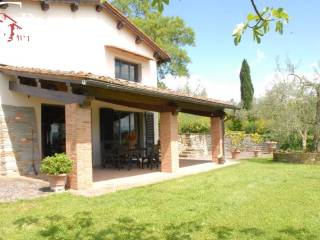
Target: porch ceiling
{"x": 123, "y": 92}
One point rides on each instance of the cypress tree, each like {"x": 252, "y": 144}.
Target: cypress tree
{"x": 247, "y": 90}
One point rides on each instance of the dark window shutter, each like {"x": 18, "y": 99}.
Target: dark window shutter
{"x": 149, "y": 117}
{"x": 106, "y": 132}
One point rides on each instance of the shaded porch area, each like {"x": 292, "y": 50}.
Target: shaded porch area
{"x": 111, "y": 180}
{"x": 106, "y": 174}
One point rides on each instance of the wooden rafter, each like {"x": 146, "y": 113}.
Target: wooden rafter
{"x": 64, "y": 97}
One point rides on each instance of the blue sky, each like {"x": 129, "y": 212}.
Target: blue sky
{"x": 216, "y": 61}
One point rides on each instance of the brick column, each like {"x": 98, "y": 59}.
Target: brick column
{"x": 79, "y": 145}
{"x": 169, "y": 142}
{"x": 217, "y": 138}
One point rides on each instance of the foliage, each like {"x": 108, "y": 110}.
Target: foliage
{"x": 193, "y": 124}
{"x": 161, "y": 84}
{"x": 256, "y": 138}
{"x": 247, "y": 121}
{"x": 236, "y": 139}
{"x": 313, "y": 85}
{"x": 198, "y": 91}
{"x": 234, "y": 125}
{"x": 57, "y": 164}
{"x": 247, "y": 89}
{"x": 288, "y": 107}
{"x": 170, "y": 33}
{"x": 259, "y": 23}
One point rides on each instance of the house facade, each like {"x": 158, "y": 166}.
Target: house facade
{"x": 75, "y": 75}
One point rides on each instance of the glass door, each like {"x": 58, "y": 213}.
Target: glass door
{"x": 53, "y": 129}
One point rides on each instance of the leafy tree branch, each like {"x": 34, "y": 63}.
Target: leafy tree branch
{"x": 258, "y": 22}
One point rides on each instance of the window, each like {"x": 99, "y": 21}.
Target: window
{"x": 126, "y": 70}
{"x": 124, "y": 124}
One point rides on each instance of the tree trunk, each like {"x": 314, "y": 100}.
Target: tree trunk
{"x": 316, "y": 135}
{"x": 304, "y": 136}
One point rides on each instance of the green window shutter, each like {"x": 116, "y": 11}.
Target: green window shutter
{"x": 149, "y": 120}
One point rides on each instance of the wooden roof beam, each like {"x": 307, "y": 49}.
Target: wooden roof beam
{"x": 64, "y": 97}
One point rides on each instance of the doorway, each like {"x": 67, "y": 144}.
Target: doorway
{"x": 118, "y": 127}
{"x": 53, "y": 129}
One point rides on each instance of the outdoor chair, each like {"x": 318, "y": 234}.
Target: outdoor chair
{"x": 135, "y": 155}
{"x": 153, "y": 157}
{"x": 106, "y": 154}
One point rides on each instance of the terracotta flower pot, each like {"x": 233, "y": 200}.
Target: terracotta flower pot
{"x": 235, "y": 154}
{"x": 272, "y": 146}
{"x": 57, "y": 182}
{"x": 256, "y": 152}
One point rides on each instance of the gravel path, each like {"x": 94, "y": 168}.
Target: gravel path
{"x": 15, "y": 188}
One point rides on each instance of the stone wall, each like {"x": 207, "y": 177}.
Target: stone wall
{"x": 19, "y": 146}
{"x": 307, "y": 158}
{"x": 200, "y": 144}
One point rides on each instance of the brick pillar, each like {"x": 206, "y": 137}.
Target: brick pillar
{"x": 217, "y": 138}
{"x": 169, "y": 142}
{"x": 79, "y": 145}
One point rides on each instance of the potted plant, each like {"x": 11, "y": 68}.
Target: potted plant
{"x": 236, "y": 141}
{"x": 272, "y": 146}
{"x": 57, "y": 167}
{"x": 132, "y": 139}
{"x": 256, "y": 139}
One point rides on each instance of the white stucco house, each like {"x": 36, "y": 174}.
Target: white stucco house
{"x": 77, "y": 75}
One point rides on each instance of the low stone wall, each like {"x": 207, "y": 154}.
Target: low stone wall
{"x": 304, "y": 158}
{"x": 200, "y": 144}
{"x": 19, "y": 146}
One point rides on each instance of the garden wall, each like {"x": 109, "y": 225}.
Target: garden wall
{"x": 307, "y": 158}
{"x": 19, "y": 144}
{"x": 200, "y": 144}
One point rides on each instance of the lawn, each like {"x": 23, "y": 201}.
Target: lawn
{"x": 257, "y": 199}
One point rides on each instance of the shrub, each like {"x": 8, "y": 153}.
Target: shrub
{"x": 256, "y": 138}
{"x": 57, "y": 164}
{"x": 236, "y": 139}
{"x": 193, "y": 124}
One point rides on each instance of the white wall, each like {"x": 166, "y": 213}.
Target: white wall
{"x": 65, "y": 40}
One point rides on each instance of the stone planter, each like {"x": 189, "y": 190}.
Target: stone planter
{"x": 256, "y": 152}
{"x": 235, "y": 154}
{"x": 272, "y": 146}
{"x": 297, "y": 157}
{"x": 57, "y": 182}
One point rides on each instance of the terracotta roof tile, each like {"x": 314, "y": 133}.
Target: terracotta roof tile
{"x": 80, "y": 76}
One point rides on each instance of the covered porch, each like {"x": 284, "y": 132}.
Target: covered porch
{"x": 109, "y": 180}
{"x": 78, "y": 92}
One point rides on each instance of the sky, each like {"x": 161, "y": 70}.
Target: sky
{"x": 216, "y": 62}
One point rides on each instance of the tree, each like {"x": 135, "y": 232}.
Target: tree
{"x": 288, "y": 107}
{"x": 259, "y": 22}
{"x": 198, "y": 91}
{"x": 314, "y": 86}
{"x": 247, "y": 90}
{"x": 170, "y": 33}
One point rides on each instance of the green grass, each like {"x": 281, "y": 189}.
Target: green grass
{"x": 256, "y": 199}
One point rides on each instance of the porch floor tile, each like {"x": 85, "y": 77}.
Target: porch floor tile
{"x": 112, "y": 180}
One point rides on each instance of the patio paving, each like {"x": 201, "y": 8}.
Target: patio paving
{"x": 16, "y": 188}
{"x": 112, "y": 180}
